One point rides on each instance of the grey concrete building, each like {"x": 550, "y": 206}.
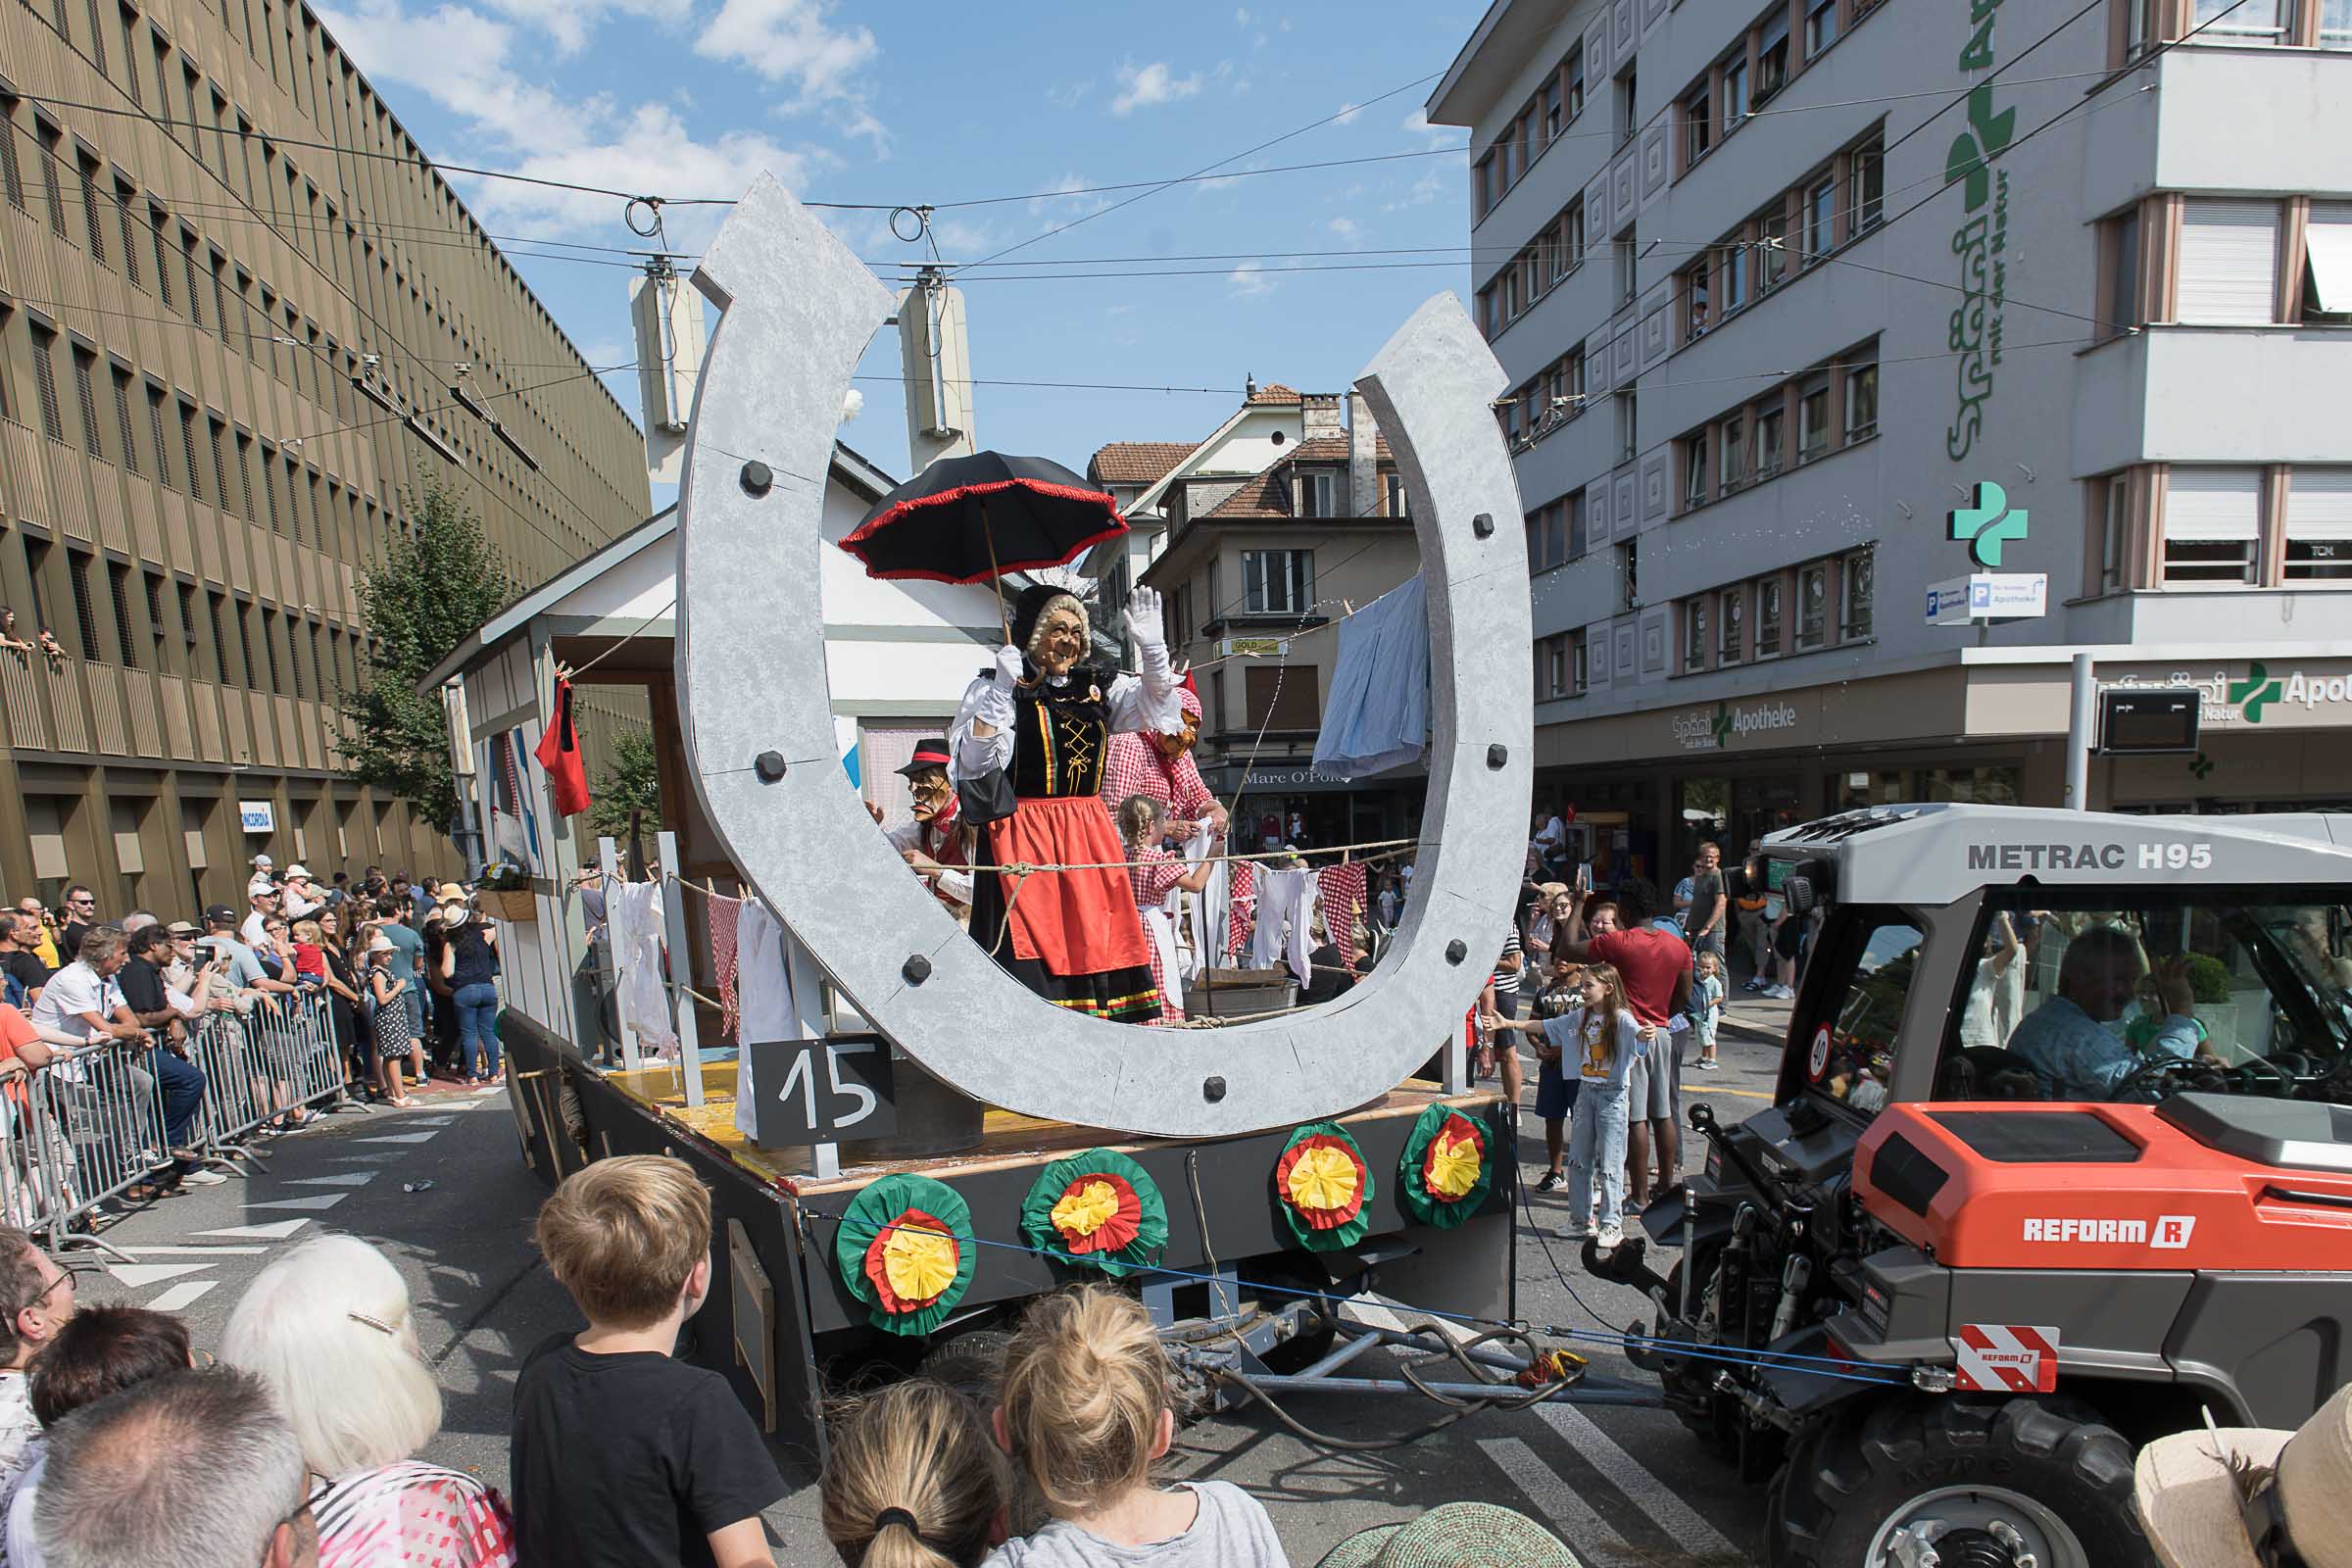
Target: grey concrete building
{"x": 237, "y": 312}
{"x": 1812, "y": 307}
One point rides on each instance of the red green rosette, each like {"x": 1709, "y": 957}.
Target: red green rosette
{"x": 906, "y": 1251}
{"x": 1321, "y": 1185}
{"x": 1446, "y": 1171}
{"x": 1097, "y": 1210}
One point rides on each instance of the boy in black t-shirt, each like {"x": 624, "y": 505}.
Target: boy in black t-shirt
{"x": 622, "y": 1457}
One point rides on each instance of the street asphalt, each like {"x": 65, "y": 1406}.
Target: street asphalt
{"x": 442, "y": 1188}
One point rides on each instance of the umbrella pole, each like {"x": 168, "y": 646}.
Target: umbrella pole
{"x": 996, "y": 574}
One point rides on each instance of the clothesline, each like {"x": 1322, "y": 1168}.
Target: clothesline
{"x": 1393, "y": 846}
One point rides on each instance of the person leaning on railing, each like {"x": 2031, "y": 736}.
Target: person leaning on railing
{"x": 90, "y": 992}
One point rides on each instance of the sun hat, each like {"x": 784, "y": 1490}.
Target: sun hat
{"x": 2206, "y": 1496}
{"x": 381, "y": 943}
{"x": 298, "y": 869}
{"x": 184, "y": 928}
{"x": 1458, "y": 1535}
{"x": 454, "y": 915}
{"x": 449, "y": 892}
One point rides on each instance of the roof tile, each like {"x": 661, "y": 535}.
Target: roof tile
{"x": 1138, "y": 461}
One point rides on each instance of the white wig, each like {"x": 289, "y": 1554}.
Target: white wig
{"x": 328, "y": 1328}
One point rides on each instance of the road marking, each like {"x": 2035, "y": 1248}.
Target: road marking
{"x": 361, "y": 1159}
{"x": 1682, "y": 1523}
{"x": 195, "y": 1251}
{"x": 152, "y": 1273}
{"x": 402, "y": 1138}
{"x": 1743, "y": 1093}
{"x": 349, "y": 1178}
{"x": 309, "y": 1201}
{"x": 180, "y": 1298}
{"x": 272, "y": 1231}
{"x": 426, "y": 1121}
{"x": 1569, "y": 1513}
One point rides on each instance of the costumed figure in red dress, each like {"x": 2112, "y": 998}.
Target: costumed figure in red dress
{"x": 1153, "y": 874}
{"x": 1159, "y": 763}
{"x": 933, "y": 844}
{"x": 1040, "y": 723}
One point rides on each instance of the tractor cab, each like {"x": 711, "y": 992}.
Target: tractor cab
{"x": 2060, "y": 1157}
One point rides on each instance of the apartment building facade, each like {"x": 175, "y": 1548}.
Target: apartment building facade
{"x": 238, "y": 313}
{"x": 1260, "y": 538}
{"x": 1812, "y": 307}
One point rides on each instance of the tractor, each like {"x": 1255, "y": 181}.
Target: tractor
{"x": 2059, "y": 1160}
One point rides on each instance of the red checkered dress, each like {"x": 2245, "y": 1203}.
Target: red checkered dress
{"x": 1340, "y": 894}
{"x": 1135, "y": 767}
{"x": 1152, "y": 878}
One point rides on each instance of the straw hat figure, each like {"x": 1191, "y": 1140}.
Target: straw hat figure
{"x": 2251, "y": 1497}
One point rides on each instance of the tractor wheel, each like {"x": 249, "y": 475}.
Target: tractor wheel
{"x": 1988, "y": 1482}
{"x": 972, "y": 1363}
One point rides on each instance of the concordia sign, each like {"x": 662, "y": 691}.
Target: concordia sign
{"x": 1705, "y": 731}
{"x": 1979, "y": 241}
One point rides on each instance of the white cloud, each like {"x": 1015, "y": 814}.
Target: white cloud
{"x": 570, "y": 21}
{"x": 1142, "y": 87}
{"x": 1241, "y": 19}
{"x": 1063, "y": 200}
{"x": 466, "y": 62}
{"x": 1068, "y": 94}
{"x": 791, "y": 42}
{"x": 1250, "y": 281}
{"x": 1417, "y": 123}
{"x": 1346, "y": 115}
{"x": 1346, "y": 228}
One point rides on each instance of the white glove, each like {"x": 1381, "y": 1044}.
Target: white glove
{"x": 1010, "y": 667}
{"x": 1142, "y": 620}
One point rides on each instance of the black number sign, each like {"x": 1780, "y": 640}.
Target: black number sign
{"x": 823, "y": 1090}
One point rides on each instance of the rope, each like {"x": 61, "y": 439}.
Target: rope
{"x": 1023, "y": 868}
{"x": 574, "y": 673}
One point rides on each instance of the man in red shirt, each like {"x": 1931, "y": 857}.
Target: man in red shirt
{"x": 1655, "y": 966}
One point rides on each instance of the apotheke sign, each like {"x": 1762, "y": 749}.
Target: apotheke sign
{"x": 2228, "y": 698}
{"x": 1714, "y": 730}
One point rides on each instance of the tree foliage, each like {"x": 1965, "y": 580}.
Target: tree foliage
{"x": 430, "y": 592}
{"x": 628, "y": 793}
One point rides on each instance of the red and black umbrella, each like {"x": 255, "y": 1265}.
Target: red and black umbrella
{"x": 973, "y": 519}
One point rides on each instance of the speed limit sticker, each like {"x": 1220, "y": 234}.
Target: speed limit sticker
{"x": 1818, "y": 1061}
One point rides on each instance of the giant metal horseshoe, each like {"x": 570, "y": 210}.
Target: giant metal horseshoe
{"x": 798, "y": 311}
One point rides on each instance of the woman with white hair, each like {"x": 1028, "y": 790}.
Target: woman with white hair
{"x": 328, "y": 1329}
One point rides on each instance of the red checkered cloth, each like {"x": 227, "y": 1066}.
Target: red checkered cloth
{"x": 1241, "y": 901}
{"x": 1133, "y": 765}
{"x": 1155, "y": 873}
{"x": 1340, "y": 894}
{"x": 724, "y": 914}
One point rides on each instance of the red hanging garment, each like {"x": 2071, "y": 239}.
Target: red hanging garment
{"x": 559, "y": 753}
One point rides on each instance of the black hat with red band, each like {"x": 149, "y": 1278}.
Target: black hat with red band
{"x": 928, "y": 754}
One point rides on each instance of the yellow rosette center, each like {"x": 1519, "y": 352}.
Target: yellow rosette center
{"x": 920, "y": 1262}
{"x": 1453, "y": 1167}
{"x": 1085, "y": 1208}
{"x": 1323, "y": 1178}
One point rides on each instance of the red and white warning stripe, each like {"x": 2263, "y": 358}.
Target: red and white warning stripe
{"x": 2006, "y": 1358}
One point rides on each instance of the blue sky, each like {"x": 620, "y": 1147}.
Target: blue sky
{"x": 855, "y": 104}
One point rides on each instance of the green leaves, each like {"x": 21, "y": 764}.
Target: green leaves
{"x": 430, "y": 592}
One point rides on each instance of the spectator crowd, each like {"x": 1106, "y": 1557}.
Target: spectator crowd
{"x": 404, "y": 970}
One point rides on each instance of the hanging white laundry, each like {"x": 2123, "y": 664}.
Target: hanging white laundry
{"x": 633, "y": 912}
{"x": 1285, "y": 915}
{"x": 1199, "y": 914}
{"x": 763, "y": 996}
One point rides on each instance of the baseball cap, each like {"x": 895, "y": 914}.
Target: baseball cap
{"x": 219, "y": 914}
{"x": 264, "y": 862}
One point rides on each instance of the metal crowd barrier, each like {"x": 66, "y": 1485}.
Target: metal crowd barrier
{"x": 89, "y": 1127}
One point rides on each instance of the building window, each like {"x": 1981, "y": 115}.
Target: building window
{"x": 86, "y": 614}
{"x": 1813, "y": 607}
{"x": 2318, "y": 525}
{"x": 50, "y": 157}
{"x": 1772, "y": 233}
{"x": 1571, "y": 251}
{"x": 1282, "y": 699}
{"x": 1573, "y": 506}
{"x": 1859, "y": 571}
{"x": 1862, "y": 400}
{"x": 2112, "y": 501}
{"x": 119, "y": 585}
{"x": 1392, "y": 484}
{"x": 1629, "y": 427}
{"x": 1278, "y": 583}
{"x": 1813, "y": 418}
{"x": 1768, "y": 440}
{"x": 1735, "y": 274}
{"x": 2336, "y": 24}
{"x": 1561, "y": 666}
{"x": 1870, "y": 188}
{"x": 1317, "y": 493}
{"x": 11, "y": 173}
{"x": 1772, "y": 57}
{"x": 1546, "y": 536}
{"x": 124, "y": 431}
{"x": 2327, "y": 260}
{"x": 1695, "y": 291}
{"x": 122, "y": 226}
{"x": 1553, "y": 120}
{"x": 2240, "y": 21}
{"x": 86, "y": 398}
{"x": 44, "y": 383}
{"x": 1820, "y": 26}
{"x": 1629, "y": 575}
{"x": 1821, "y": 218}
{"x": 1571, "y": 78}
{"x": 2228, "y": 261}
{"x": 93, "y": 222}
{"x": 2212, "y": 525}
{"x": 1732, "y": 448}
{"x": 1694, "y": 470}
{"x": 1698, "y": 125}
{"x": 1627, "y": 114}
{"x": 1695, "y": 634}
{"x": 1768, "y": 617}
{"x": 1730, "y": 625}
{"x": 2119, "y": 249}
{"x": 1627, "y": 258}
{"x": 1734, "y": 92}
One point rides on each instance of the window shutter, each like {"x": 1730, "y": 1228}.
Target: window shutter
{"x": 2319, "y": 505}
{"x": 2208, "y": 504}
{"x": 2329, "y": 238}
{"x": 2230, "y": 262}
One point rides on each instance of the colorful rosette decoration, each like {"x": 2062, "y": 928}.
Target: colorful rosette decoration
{"x": 1321, "y": 1185}
{"x": 1444, "y": 1174}
{"x": 906, "y": 1249}
{"x": 1097, "y": 1210}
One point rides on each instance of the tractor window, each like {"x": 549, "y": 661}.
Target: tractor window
{"x": 2144, "y": 996}
{"x": 1852, "y": 1055}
